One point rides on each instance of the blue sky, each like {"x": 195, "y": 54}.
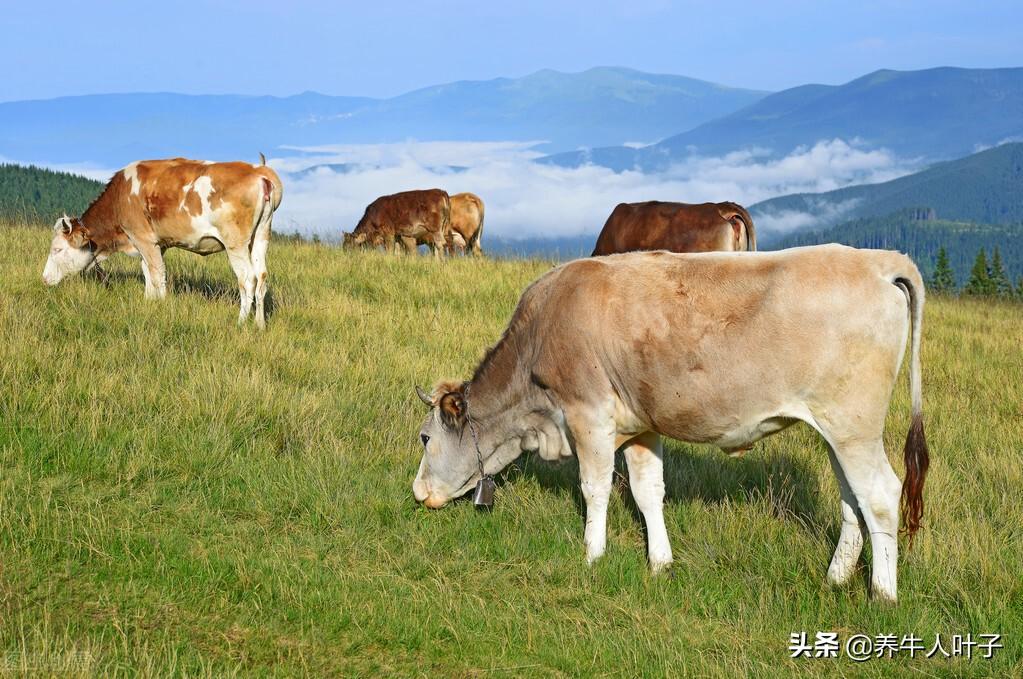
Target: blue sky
{"x": 384, "y": 48}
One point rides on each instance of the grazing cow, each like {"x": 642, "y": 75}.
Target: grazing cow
{"x": 406, "y": 219}
{"x": 678, "y": 227}
{"x": 466, "y": 224}
{"x": 152, "y": 205}
{"x": 717, "y": 348}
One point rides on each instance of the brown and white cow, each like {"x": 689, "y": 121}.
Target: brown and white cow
{"x": 676, "y": 227}
{"x": 407, "y": 219}
{"x": 466, "y": 224}
{"x": 152, "y": 205}
{"x": 716, "y": 348}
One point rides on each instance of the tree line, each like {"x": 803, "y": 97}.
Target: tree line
{"x": 988, "y": 277}
{"x": 35, "y": 195}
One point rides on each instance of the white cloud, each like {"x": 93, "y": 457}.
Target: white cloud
{"x": 524, "y": 198}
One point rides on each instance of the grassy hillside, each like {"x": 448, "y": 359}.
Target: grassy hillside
{"x": 181, "y": 496}
{"x": 33, "y": 194}
{"x": 983, "y": 187}
{"x": 921, "y": 240}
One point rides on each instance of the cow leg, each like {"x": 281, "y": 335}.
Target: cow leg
{"x": 850, "y": 540}
{"x": 644, "y": 457}
{"x": 877, "y": 490}
{"x": 152, "y": 269}
{"x": 595, "y": 448}
{"x": 260, "y": 243}
{"x": 408, "y": 243}
{"x": 437, "y": 245}
{"x": 242, "y": 266}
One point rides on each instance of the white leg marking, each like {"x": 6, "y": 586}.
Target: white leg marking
{"x": 260, "y": 243}
{"x": 239, "y": 258}
{"x": 596, "y": 452}
{"x": 877, "y": 490}
{"x": 850, "y": 540}
{"x": 646, "y": 479}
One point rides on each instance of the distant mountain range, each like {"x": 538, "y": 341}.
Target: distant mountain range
{"x": 601, "y": 106}
{"x": 934, "y": 114}
{"x": 984, "y": 187}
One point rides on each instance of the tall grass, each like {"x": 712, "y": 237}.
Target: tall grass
{"x": 180, "y": 496}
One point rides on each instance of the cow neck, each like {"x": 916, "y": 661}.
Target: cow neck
{"x": 500, "y": 392}
{"x": 101, "y": 222}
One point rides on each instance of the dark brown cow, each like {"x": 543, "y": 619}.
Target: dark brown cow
{"x": 409, "y": 219}
{"x": 678, "y": 227}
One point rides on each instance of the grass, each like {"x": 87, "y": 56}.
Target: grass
{"x": 180, "y": 496}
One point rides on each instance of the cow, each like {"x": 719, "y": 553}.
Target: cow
{"x": 200, "y": 206}
{"x": 404, "y": 220}
{"x": 466, "y": 224}
{"x": 724, "y": 349}
{"x": 677, "y": 227}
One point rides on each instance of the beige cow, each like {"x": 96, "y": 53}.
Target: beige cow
{"x": 152, "y": 205}
{"x": 466, "y": 224}
{"x": 716, "y": 348}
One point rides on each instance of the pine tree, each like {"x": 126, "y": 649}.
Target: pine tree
{"x": 1001, "y": 285}
{"x": 980, "y": 277}
{"x": 943, "y": 281}
{"x": 1019, "y": 289}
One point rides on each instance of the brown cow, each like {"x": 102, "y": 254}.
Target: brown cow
{"x": 409, "y": 219}
{"x": 678, "y": 227}
{"x": 466, "y": 224}
{"x": 200, "y": 206}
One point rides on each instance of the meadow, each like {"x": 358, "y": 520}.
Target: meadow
{"x": 183, "y": 497}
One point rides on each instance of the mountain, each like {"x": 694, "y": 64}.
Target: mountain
{"x": 921, "y": 239}
{"x": 983, "y": 187}
{"x": 934, "y": 114}
{"x": 34, "y": 195}
{"x": 601, "y": 106}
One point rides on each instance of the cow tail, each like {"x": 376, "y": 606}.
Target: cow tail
{"x": 915, "y": 454}
{"x": 751, "y": 232}
{"x": 736, "y": 210}
{"x": 478, "y": 236}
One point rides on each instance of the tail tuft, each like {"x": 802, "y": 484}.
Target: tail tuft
{"x": 917, "y": 461}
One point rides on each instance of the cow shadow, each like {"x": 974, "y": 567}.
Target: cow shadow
{"x": 211, "y": 287}
{"x": 779, "y": 480}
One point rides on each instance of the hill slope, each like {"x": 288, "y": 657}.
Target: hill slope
{"x": 33, "y": 194}
{"x": 596, "y": 107}
{"x": 921, "y": 240}
{"x": 984, "y": 187}
{"x": 184, "y": 497}
{"x": 934, "y": 114}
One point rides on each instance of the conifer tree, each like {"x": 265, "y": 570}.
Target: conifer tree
{"x": 980, "y": 277}
{"x": 1001, "y": 285}
{"x": 943, "y": 281}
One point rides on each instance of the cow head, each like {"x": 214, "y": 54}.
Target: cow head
{"x": 350, "y": 241}
{"x": 71, "y": 251}
{"x": 449, "y": 467}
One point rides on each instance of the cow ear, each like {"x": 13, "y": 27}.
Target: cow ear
{"x": 64, "y": 225}
{"x": 452, "y": 409}
{"x": 78, "y": 238}
{"x": 423, "y": 396}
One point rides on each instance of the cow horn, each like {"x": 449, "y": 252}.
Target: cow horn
{"x": 423, "y": 396}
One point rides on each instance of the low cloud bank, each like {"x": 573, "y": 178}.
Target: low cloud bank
{"x": 526, "y": 199}
{"x": 328, "y": 187}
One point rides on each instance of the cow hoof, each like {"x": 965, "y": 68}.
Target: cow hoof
{"x": 662, "y": 568}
